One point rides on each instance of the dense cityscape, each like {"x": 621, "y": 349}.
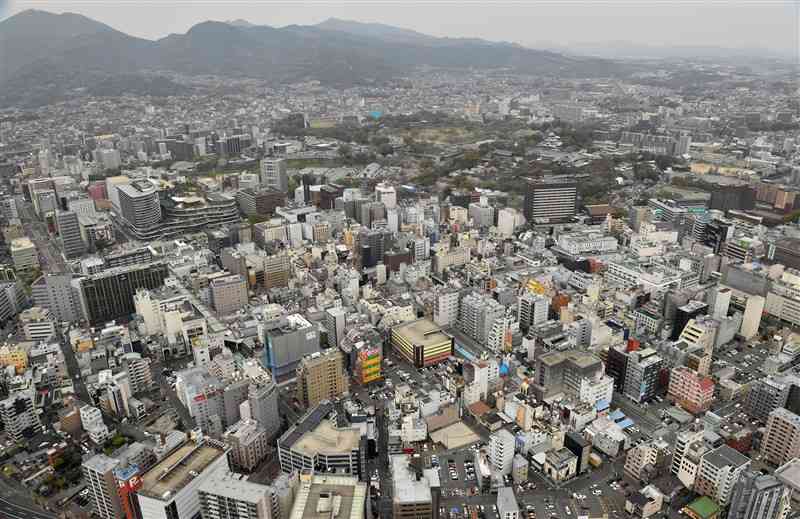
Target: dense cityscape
{"x": 458, "y": 293}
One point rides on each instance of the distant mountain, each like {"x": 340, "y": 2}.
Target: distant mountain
{"x": 379, "y": 31}
{"x": 45, "y": 57}
{"x": 631, "y": 50}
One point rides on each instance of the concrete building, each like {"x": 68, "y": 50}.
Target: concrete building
{"x": 641, "y": 375}
{"x": 316, "y": 442}
{"x": 560, "y": 465}
{"x": 108, "y": 295}
{"x": 170, "y": 489}
{"x": 249, "y": 444}
{"x": 139, "y": 208}
{"x": 226, "y": 495}
{"x": 415, "y": 490}
{"x": 445, "y": 307}
{"x": 645, "y": 461}
{"x": 507, "y": 507}
{"x": 288, "y": 339}
{"x": 501, "y": 450}
{"x": 58, "y": 293}
{"x": 37, "y": 323}
{"x": 260, "y": 202}
{"x": 477, "y": 314}
{"x": 228, "y": 294}
{"x": 92, "y": 422}
{"x": 321, "y": 376}
{"x": 718, "y": 472}
{"x": 781, "y": 440}
{"x": 24, "y": 254}
{"x": 549, "y": 200}
{"x": 322, "y": 494}
{"x": 335, "y": 322}
{"x": 98, "y": 472}
{"x": 19, "y": 416}
{"x": 421, "y": 342}
{"x": 69, "y": 232}
{"x": 690, "y": 390}
{"x": 273, "y": 174}
{"x": 532, "y": 310}
{"x": 759, "y": 496}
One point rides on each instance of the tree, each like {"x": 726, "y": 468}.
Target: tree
{"x": 345, "y": 151}
{"x": 386, "y": 149}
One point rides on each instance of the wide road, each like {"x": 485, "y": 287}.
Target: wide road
{"x": 50, "y": 256}
{"x": 10, "y": 509}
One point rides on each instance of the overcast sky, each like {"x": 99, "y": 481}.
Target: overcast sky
{"x": 758, "y": 24}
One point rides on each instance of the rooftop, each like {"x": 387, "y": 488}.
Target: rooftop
{"x": 327, "y": 497}
{"x": 234, "y": 486}
{"x": 171, "y": 474}
{"x": 329, "y": 439}
{"x": 422, "y": 332}
{"x": 407, "y": 488}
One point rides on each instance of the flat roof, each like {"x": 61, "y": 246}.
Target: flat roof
{"x": 174, "y": 472}
{"x": 343, "y": 494}
{"x": 328, "y": 439}
{"x": 422, "y": 332}
{"x": 407, "y": 489}
{"x": 234, "y": 486}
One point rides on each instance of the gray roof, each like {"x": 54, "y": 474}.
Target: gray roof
{"x": 726, "y": 457}
{"x": 506, "y": 501}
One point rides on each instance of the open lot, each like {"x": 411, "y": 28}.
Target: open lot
{"x": 455, "y": 436}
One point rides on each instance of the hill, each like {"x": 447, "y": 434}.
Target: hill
{"x": 45, "y": 57}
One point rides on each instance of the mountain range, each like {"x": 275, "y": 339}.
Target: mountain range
{"x": 45, "y": 57}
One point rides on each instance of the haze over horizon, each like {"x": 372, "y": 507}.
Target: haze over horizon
{"x": 766, "y": 26}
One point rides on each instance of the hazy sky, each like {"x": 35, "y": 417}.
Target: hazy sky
{"x": 764, "y": 24}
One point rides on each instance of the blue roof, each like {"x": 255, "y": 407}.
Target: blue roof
{"x": 625, "y": 423}
{"x": 602, "y": 405}
{"x": 616, "y": 415}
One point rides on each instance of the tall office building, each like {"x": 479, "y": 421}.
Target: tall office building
{"x": 416, "y": 490}
{"x": 532, "y": 310}
{"x": 501, "y": 450}
{"x": 445, "y": 308}
{"x": 781, "y": 441}
{"x": 170, "y": 489}
{"x": 263, "y": 399}
{"x": 477, "y": 314}
{"x": 718, "y": 472}
{"x": 321, "y": 376}
{"x": 549, "y": 200}
{"x": 108, "y": 295}
{"x": 273, "y": 174}
{"x": 19, "y": 416}
{"x": 758, "y": 496}
{"x": 98, "y": 472}
{"x": 228, "y": 294}
{"x": 58, "y": 293}
{"x": 288, "y": 339}
{"x": 335, "y": 321}
{"x": 226, "y": 495}
{"x": 642, "y": 375}
{"x": 139, "y": 207}
{"x": 69, "y": 230}
{"x": 249, "y": 444}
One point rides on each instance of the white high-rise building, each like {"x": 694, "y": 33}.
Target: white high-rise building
{"x": 445, "y": 310}
{"x": 273, "y": 174}
{"x": 226, "y": 495}
{"x": 19, "y": 415}
{"x": 501, "y": 450}
{"x": 532, "y": 310}
{"x": 98, "y": 472}
{"x": 386, "y": 194}
{"x": 92, "y": 422}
